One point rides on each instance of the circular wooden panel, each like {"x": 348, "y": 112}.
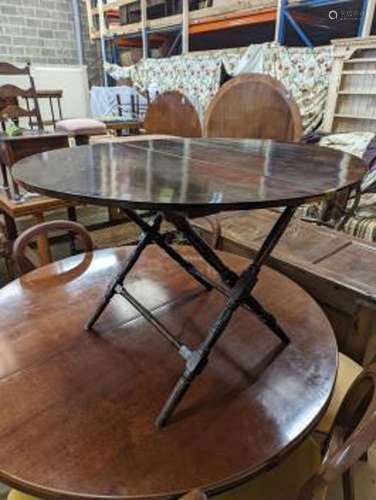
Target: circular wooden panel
{"x": 254, "y": 106}
{"x": 172, "y": 113}
{"x": 191, "y": 175}
{"x": 78, "y": 408}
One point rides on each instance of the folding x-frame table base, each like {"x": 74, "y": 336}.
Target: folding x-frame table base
{"x": 237, "y": 289}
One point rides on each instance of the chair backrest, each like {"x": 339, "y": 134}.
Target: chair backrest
{"x": 171, "y": 113}
{"x": 10, "y": 94}
{"x": 253, "y": 106}
{"x": 25, "y": 264}
{"x": 353, "y": 432}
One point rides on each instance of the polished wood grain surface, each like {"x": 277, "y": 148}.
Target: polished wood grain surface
{"x": 78, "y": 408}
{"x": 254, "y": 106}
{"x": 188, "y": 174}
{"x": 172, "y": 113}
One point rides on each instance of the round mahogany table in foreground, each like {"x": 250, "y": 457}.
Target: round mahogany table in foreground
{"x": 78, "y": 407}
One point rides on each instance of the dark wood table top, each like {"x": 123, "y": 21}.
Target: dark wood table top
{"x": 78, "y": 408}
{"x": 192, "y": 174}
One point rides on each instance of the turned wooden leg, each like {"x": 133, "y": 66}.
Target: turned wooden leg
{"x": 43, "y": 244}
{"x": 114, "y": 214}
{"x": 72, "y": 216}
{"x": 81, "y": 140}
{"x": 348, "y": 485}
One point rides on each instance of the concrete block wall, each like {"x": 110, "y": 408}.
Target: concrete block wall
{"x": 42, "y": 31}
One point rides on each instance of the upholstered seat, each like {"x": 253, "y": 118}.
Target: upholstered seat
{"x": 81, "y": 126}
{"x": 284, "y": 481}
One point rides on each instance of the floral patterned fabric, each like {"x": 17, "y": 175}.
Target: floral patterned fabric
{"x": 303, "y": 71}
{"x": 195, "y": 75}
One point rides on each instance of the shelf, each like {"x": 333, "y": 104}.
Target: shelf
{"x": 117, "y": 4}
{"x": 353, "y": 117}
{"x": 232, "y": 20}
{"x": 359, "y": 60}
{"x": 372, "y": 72}
{"x": 217, "y": 17}
{"x": 356, "y": 92}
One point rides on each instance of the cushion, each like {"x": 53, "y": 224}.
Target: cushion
{"x": 287, "y": 477}
{"x": 17, "y": 495}
{"x": 81, "y": 126}
{"x": 348, "y": 370}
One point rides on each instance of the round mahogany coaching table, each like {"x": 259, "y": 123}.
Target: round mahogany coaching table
{"x": 86, "y": 343}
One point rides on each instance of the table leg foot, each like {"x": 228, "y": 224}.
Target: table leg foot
{"x": 169, "y": 407}
{"x": 196, "y": 363}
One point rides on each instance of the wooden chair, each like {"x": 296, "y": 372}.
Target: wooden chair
{"x": 353, "y": 432}
{"x": 24, "y": 263}
{"x": 10, "y": 95}
{"x": 171, "y": 113}
{"x": 254, "y": 106}
{"x": 304, "y": 474}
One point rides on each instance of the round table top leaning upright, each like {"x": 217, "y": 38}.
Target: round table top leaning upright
{"x": 191, "y": 175}
{"x": 78, "y": 408}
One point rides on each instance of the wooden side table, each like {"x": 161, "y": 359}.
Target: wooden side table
{"x": 34, "y": 207}
{"x": 13, "y": 149}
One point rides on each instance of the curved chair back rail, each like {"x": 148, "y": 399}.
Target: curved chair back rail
{"x": 254, "y": 106}
{"x": 353, "y": 432}
{"x": 172, "y": 113}
{"x": 23, "y": 264}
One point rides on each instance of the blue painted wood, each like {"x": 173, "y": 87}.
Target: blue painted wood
{"x": 298, "y": 29}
